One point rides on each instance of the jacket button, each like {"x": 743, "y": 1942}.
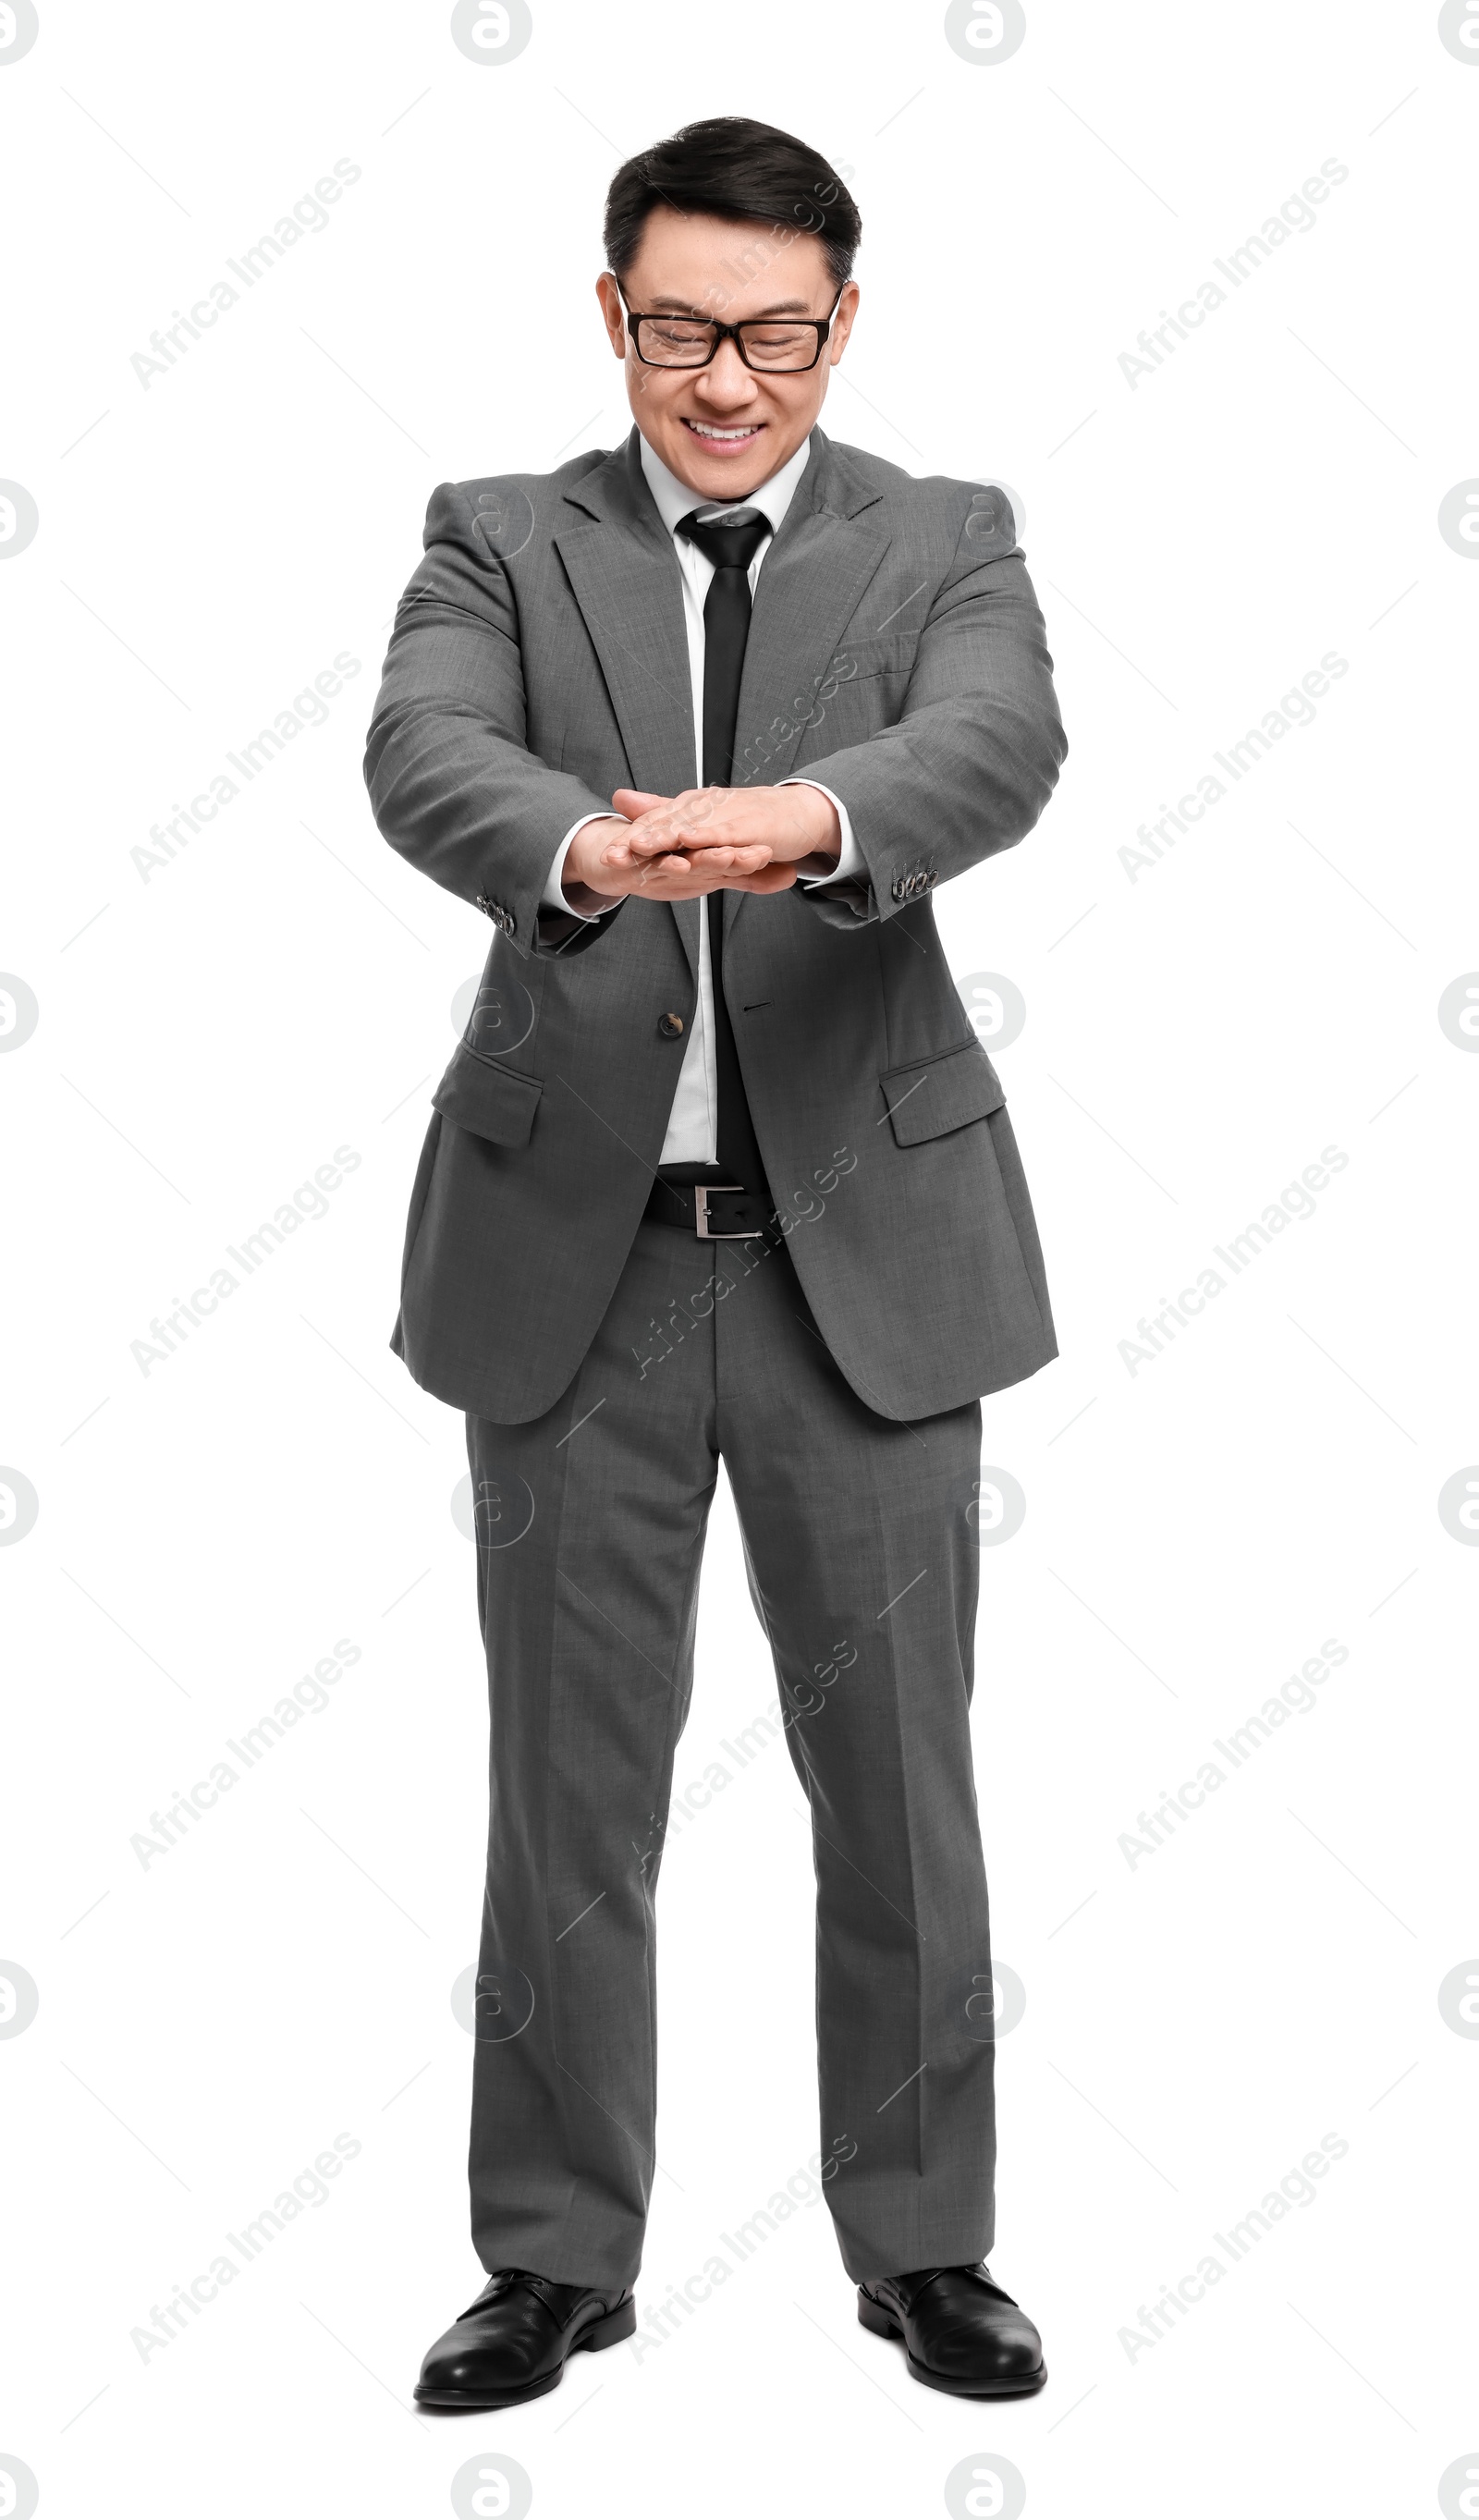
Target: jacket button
{"x": 670, "y": 1026}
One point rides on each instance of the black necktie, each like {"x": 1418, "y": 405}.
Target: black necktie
{"x": 726, "y": 627}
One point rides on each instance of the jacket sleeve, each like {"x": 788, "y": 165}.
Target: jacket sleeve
{"x": 974, "y": 755}
{"x": 452, "y": 781}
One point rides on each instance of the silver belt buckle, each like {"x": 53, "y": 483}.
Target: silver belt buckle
{"x": 700, "y": 1213}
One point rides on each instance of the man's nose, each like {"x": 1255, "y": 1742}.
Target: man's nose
{"x": 725, "y": 384}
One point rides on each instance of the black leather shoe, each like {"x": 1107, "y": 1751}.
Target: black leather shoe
{"x": 514, "y": 2341}
{"x": 961, "y": 2330}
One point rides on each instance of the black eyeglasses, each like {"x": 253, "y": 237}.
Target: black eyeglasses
{"x": 786, "y": 344}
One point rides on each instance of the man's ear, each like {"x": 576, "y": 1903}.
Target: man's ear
{"x": 842, "y": 322}
{"x": 612, "y": 312}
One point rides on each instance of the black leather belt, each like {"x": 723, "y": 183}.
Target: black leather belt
{"x": 715, "y": 1211}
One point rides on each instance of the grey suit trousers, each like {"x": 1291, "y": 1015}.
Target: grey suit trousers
{"x": 862, "y": 1566}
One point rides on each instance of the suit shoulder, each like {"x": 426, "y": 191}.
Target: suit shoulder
{"x": 536, "y": 485}
{"x": 925, "y": 497}
{"x": 502, "y": 508}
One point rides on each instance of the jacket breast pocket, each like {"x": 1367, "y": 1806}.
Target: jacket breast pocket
{"x": 864, "y": 660}
{"x": 492, "y": 1101}
{"x": 929, "y": 1096}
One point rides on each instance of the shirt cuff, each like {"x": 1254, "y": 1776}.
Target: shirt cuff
{"x": 553, "y": 896}
{"x": 851, "y": 861}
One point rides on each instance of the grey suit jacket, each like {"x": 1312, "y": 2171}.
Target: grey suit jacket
{"x": 538, "y": 662}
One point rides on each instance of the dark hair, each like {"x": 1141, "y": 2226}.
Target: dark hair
{"x": 732, "y": 168}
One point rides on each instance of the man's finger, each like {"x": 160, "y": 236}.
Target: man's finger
{"x": 680, "y": 831}
{"x": 712, "y": 867}
{"x": 777, "y": 878}
{"x": 656, "y": 871}
{"x": 677, "y": 878}
{"x": 633, "y": 801}
{"x": 623, "y": 855}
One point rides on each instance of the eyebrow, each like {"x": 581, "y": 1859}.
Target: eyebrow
{"x": 684, "y": 306}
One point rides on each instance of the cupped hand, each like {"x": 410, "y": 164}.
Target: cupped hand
{"x": 604, "y": 863}
{"x": 791, "y": 824}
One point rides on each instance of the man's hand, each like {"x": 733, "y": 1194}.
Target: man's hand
{"x": 601, "y": 866}
{"x": 793, "y": 824}
{"x": 708, "y": 839}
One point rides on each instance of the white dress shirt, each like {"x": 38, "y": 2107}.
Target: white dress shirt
{"x": 692, "y": 1121}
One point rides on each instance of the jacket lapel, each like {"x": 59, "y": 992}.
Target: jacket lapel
{"x": 811, "y": 582}
{"x": 623, "y": 572}
{"x": 624, "y": 575}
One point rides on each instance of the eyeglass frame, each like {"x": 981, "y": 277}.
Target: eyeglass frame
{"x": 821, "y": 326}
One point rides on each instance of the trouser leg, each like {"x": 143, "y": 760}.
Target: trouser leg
{"x": 590, "y": 1527}
{"x": 864, "y": 1568}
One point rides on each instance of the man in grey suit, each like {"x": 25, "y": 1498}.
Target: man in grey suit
{"x": 720, "y": 1169}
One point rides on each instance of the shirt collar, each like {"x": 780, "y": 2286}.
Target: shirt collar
{"x": 674, "y": 500}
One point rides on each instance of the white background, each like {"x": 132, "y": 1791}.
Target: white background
{"x": 1196, "y": 1036}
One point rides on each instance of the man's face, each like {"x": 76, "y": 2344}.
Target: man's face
{"x": 724, "y": 428}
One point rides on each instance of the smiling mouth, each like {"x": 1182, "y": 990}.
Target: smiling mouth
{"x": 724, "y": 436}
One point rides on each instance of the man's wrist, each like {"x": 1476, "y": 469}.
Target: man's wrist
{"x": 823, "y": 859}
{"x": 586, "y": 903}
{"x": 580, "y": 897}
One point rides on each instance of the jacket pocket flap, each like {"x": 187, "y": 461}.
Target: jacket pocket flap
{"x": 931, "y": 1096}
{"x": 858, "y": 661}
{"x": 492, "y": 1101}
